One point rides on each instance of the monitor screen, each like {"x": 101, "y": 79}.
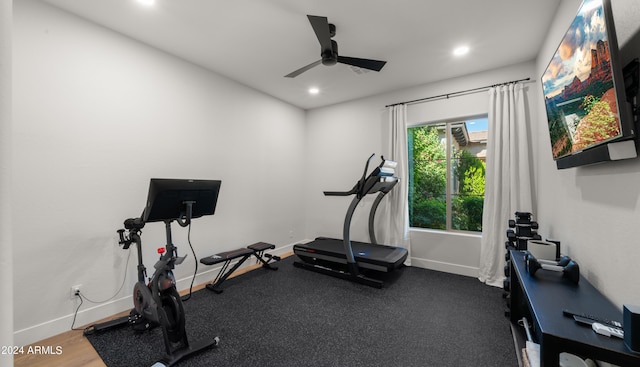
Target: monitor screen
{"x": 167, "y": 198}
{"x": 579, "y": 84}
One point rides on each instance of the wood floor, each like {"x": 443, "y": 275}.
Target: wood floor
{"x": 76, "y": 351}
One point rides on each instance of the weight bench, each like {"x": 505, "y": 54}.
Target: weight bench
{"x": 257, "y": 250}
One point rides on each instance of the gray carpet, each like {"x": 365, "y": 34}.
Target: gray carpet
{"x": 294, "y": 317}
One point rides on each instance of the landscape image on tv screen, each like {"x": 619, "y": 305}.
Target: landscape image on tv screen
{"x": 580, "y": 98}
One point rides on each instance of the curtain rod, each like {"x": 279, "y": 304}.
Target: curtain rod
{"x": 457, "y": 93}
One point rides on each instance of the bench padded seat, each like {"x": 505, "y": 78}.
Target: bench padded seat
{"x": 224, "y": 256}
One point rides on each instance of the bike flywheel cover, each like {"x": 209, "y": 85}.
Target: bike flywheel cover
{"x": 141, "y": 297}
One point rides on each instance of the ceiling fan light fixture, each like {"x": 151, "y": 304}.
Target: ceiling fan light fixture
{"x": 461, "y": 50}
{"x": 147, "y": 2}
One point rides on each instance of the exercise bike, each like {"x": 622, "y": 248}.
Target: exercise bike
{"x": 158, "y": 303}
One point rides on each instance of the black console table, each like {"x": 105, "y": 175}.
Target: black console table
{"x": 541, "y": 300}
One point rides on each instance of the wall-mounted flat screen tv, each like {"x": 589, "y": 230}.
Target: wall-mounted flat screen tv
{"x": 584, "y": 89}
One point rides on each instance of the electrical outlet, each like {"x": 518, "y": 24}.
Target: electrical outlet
{"x": 74, "y": 291}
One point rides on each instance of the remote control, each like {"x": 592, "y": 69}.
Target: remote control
{"x": 583, "y": 320}
{"x": 589, "y": 322}
{"x": 613, "y": 323}
{"x": 607, "y": 330}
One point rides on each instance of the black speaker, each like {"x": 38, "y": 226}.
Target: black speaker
{"x": 631, "y": 326}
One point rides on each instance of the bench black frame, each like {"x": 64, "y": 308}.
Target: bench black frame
{"x": 257, "y": 249}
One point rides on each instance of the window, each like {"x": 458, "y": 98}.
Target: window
{"x": 446, "y": 175}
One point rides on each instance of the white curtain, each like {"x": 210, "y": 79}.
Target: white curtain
{"x": 508, "y": 186}
{"x": 394, "y": 214}
{"x": 6, "y": 245}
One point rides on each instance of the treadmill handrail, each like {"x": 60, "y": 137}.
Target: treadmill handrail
{"x": 341, "y": 193}
{"x": 338, "y": 193}
{"x": 378, "y": 183}
{"x": 382, "y": 178}
{"x": 372, "y": 185}
{"x": 366, "y": 168}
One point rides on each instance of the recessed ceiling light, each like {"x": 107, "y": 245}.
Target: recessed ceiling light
{"x": 147, "y": 2}
{"x": 462, "y": 50}
{"x": 314, "y": 90}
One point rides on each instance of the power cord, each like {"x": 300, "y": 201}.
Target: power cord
{"x": 195, "y": 272}
{"x": 83, "y": 297}
{"x": 76, "y": 313}
{"x": 124, "y": 279}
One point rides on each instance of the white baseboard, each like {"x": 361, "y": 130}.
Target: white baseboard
{"x": 469, "y": 271}
{"x": 90, "y": 315}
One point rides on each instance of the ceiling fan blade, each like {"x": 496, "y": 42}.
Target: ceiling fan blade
{"x": 321, "y": 28}
{"x": 374, "y": 65}
{"x": 303, "y": 69}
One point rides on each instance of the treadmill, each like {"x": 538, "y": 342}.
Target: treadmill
{"x": 347, "y": 259}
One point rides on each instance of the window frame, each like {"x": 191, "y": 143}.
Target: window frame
{"x": 448, "y": 156}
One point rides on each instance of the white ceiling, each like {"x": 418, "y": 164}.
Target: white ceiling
{"x": 257, "y": 42}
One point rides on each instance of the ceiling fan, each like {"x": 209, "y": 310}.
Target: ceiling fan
{"x": 329, "y": 49}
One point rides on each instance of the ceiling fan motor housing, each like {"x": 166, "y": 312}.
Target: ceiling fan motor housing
{"x": 330, "y": 57}
{"x": 332, "y": 30}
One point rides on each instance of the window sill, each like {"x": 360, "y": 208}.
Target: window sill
{"x": 443, "y": 232}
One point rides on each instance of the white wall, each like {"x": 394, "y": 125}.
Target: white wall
{"x": 593, "y": 210}
{"x": 96, "y": 115}
{"x": 6, "y": 243}
{"x": 341, "y": 137}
